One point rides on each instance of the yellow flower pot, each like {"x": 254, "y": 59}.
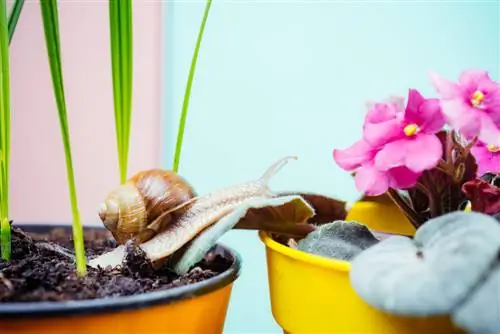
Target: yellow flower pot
{"x": 382, "y": 216}
{"x": 195, "y": 308}
{"x": 313, "y": 294}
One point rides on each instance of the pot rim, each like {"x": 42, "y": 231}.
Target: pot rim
{"x": 123, "y": 303}
{"x": 302, "y": 256}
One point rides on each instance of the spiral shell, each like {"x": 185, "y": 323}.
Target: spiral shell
{"x": 145, "y": 204}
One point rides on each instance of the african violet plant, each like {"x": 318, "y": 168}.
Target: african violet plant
{"x": 425, "y": 167}
{"x": 437, "y": 158}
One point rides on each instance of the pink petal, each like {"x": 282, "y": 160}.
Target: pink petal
{"x": 490, "y": 132}
{"x": 415, "y": 99}
{"x": 491, "y": 164}
{"x": 486, "y": 160}
{"x": 382, "y": 123}
{"x": 433, "y": 118}
{"x": 378, "y": 134}
{"x": 462, "y": 117}
{"x": 391, "y": 155}
{"x": 402, "y": 178}
{"x": 470, "y": 79}
{"x": 480, "y": 152}
{"x": 354, "y": 156}
{"x": 445, "y": 88}
{"x": 491, "y": 103}
{"x": 381, "y": 112}
{"x": 371, "y": 181}
{"x": 419, "y": 153}
{"x": 426, "y": 113}
{"x": 488, "y": 166}
{"x": 423, "y": 152}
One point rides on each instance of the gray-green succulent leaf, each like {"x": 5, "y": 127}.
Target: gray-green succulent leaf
{"x": 480, "y": 313}
{"x": 341, "y": 240}
{"x": 432, "y": 273}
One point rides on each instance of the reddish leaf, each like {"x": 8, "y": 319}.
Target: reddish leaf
{"x": 484, "y": 197}
{"x": 327, "y": 209}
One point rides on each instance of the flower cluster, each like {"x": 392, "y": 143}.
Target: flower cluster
{"x": 400, "y": 142}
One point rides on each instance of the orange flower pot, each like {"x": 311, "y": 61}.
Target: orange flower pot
{"x": 196, "y": 308}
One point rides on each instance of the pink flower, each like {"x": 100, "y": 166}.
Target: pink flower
{"x": 359, "y": 158}
{"x": 487, "y": 158}
{"x": 405, "y": 138}
{"x": 471, "y": 106}
{"x": 383, "y": 122}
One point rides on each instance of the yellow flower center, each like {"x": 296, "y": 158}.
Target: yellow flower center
{"x": 411, "y": 130}
{"x": 493, "y": 148}
{"x": 477, "y": 98}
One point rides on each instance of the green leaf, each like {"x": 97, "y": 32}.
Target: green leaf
{"x": 51, "y": 28}
{"x": 120, "y": 19}
{"x": 187, "y": 94}
{"x": 4, "y": 132}
{"x": 14, "y": 17}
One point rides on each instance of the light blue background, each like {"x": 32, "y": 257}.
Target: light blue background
{"x": 277, "y": 78}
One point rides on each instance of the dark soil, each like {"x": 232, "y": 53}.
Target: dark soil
{"x": 40, "y": 271}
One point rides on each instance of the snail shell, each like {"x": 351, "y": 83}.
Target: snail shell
{"x": 145, "y": 204}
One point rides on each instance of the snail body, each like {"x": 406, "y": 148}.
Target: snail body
{"x": 185, "y": 220}
{"x": 145, "y": 205}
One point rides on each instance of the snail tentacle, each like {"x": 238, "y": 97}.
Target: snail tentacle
{"x": 275, "y": 168}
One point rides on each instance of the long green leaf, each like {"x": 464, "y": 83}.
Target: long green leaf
{"x": 4, "y": 133}
{"x": 14, "y": 17}
{"x": 120, "y": 18}
{"x": 187, "y": 94}
{"x": 51, "y": 28}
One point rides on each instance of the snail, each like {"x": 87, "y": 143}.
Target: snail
{"x": 145, "y": 205}
{"x": 181, "y": 220}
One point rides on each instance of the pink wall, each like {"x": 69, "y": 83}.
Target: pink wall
{"x": 39, "y": 191}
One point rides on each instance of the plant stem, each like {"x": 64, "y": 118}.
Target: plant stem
{"x": 120, "y": 18}
{"x": 51, "y": 29}
{"x": 187, "y": 94}
{"x": 401, "y": 204}
{"x": 434, "y": 198}
{"x": 5, "y": 232}
{"x": 14, "y": 17}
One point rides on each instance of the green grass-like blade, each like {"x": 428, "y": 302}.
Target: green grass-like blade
{"x": 51, "y": 29}
{"x": 187, "y": 94}
{"x": 114, "y": 20}
{"x": 121, "y": 34}
{"x": 14, "y": 17}
{"x": 5, "y": 237}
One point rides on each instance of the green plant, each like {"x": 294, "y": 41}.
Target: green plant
{"x": 51, "y": 28}
{"x": 7, "y": 29}
{"x": 120, "y": 18}
{"x": 187, "y": 94}
{"x": 14, "y": 17}
{"x": 4, "y": 132}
